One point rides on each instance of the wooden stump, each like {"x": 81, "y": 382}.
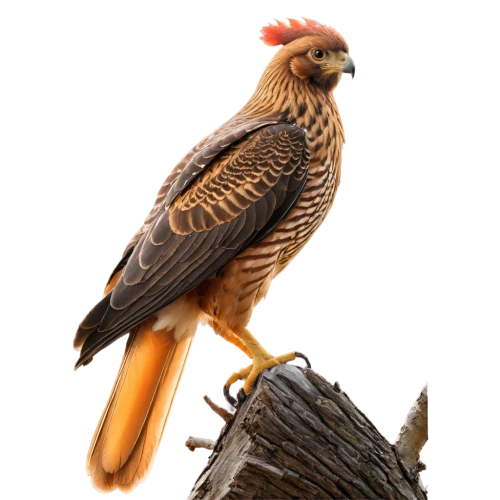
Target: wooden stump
{"x": 299, "y": 437}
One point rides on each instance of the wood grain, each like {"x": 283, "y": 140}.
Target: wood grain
{"x": 298, "y": 436}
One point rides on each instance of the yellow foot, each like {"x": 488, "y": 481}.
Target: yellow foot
{"x": 250, "y": 373}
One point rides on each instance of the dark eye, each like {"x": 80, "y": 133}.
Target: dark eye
{"x": 318, "y": 54}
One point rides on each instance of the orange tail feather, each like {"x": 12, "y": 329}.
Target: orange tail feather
{"x": 128, "y": 435}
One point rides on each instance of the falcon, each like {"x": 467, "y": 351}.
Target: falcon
{"x": 229, "y": 218}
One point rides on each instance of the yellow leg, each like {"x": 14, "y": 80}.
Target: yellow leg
{"x": 240, "y": 375}
{"x": 231, "y": 337}
{"x": 262, "y": 360}
{"x": 259, "y": 367}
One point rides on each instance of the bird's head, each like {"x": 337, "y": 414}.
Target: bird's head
{"x": 312, "y": 51}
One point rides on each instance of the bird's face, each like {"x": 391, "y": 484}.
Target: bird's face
{"x": 312, "y": 59}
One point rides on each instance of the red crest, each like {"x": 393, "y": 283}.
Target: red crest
{"x": 283, "y": 33}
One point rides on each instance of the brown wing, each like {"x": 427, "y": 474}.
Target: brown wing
{"x": 189, "y": 168}
{"x": 234, "y": 202}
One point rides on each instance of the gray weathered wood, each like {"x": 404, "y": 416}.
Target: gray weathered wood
{"x": 414, "y": 433}
{"x": 299, "y": 437}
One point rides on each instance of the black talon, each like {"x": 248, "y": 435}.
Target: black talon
{"x": 302, "y": 356}
{"x": 241, "y": 397}
{"x": 228, "y": 396}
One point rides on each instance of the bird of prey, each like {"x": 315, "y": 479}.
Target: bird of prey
{"x": 230, "y": 217}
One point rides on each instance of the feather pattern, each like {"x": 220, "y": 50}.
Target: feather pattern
{"x": 216, "y": 212}
{"x": 230, "y": 216}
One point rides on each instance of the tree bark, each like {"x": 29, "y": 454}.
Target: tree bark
{"x": 299, "y": 437}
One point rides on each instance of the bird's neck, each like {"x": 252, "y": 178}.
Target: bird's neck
{"x": 281, "y": 95}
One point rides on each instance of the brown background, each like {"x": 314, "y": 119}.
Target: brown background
{"x": 93, "y": 102}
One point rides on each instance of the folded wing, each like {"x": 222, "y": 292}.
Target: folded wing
{"x": 212, "y": 213}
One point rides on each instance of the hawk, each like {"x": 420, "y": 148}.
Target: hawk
{"x": 229, "y": 218}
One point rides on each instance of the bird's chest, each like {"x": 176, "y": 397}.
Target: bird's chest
{"x": 326, "y": 138}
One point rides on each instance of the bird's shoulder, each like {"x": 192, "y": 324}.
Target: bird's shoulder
{"x": 222, "y": 144}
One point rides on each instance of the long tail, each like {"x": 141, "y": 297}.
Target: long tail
{"x": 128, "y": 435}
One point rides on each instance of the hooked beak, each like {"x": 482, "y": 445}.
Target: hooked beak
{"x": 348, "y": 66}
